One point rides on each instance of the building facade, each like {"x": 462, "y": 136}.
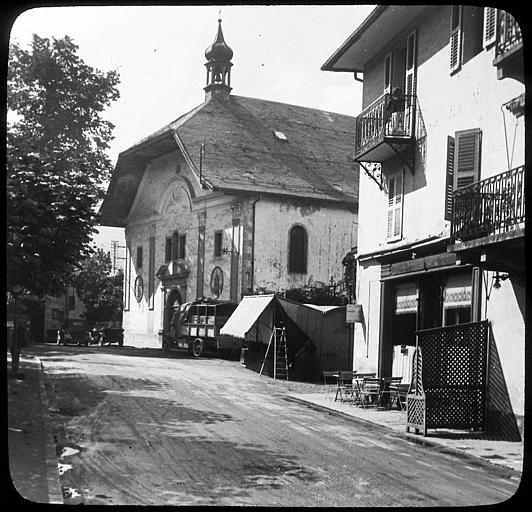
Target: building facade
{"x": 238, "y": 196}
{"x": 441, "y": 212}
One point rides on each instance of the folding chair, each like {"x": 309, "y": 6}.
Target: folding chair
{"x": 387, "y": 383}
{"x": 371, "y": 389}
{"x": 345, "y": 385}
{"x": 358, "y": 388}
{"x": 331, "y": 374}
{"x": 398, "y": 394}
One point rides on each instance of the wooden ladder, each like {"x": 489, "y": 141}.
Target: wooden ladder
{"x": 280, "y": 359}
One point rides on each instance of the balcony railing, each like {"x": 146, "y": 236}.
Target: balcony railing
{"x": 508, "y": 34}
{"x": 377, "y": 122}
{"x": 491, "y": 206}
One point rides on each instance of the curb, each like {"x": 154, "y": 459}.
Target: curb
{"x": 405, "y": 435}
{"x": 55, "y": 492}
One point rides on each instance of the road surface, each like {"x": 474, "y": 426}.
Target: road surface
{"x": 136, "y": 427}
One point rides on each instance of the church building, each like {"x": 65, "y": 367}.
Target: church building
{"x": 238, "y": 196}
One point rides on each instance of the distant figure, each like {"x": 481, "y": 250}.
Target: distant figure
{"x": 395, "y": 113}
{"x": 61, "y": 336}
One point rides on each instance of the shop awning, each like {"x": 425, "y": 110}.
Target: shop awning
{"x": 406, "y": 296}
{"x": 457, "y": 292}
{"x": 245, "y": 315}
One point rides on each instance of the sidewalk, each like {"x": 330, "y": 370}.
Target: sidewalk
{"x": 504, "y": 453}
{"x": 32, "y": 458}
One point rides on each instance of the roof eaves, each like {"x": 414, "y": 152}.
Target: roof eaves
{"x": 371, "y": 18}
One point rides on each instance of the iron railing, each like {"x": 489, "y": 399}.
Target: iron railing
{"x": 491, "y": 206}
{"x": 376, "y": 122}
{"x": 508, "y": 34}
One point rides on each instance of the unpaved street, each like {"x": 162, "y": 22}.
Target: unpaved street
{"x": 134, "y": 426}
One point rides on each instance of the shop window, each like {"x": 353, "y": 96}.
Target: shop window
{"x": 457, "y": 300}
{"x": 297, "y": 250}
{"x": 455, "y": 316}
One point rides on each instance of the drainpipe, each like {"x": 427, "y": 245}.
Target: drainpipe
{"x": 252, "y": 277}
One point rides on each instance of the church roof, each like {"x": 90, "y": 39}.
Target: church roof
{"x": 250, "y": 146}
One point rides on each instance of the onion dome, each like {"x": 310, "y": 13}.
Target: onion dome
{"x": 219, "y": 50}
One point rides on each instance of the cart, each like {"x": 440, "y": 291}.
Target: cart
{"x": 195, "y": 326}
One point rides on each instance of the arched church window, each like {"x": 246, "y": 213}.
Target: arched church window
{"x": 297, "y": 250}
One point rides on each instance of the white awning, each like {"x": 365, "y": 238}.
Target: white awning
{"x": 245, "y": 315}
{"x": 457, "y": 292}
{"x": 406, "y": 296}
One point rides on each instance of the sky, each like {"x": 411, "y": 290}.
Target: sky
{"x": 159, "y": 53}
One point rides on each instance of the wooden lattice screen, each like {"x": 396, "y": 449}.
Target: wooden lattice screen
{"x": 448, "y": 387}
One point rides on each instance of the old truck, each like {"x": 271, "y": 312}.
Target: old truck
{"x": 195, "y": 326}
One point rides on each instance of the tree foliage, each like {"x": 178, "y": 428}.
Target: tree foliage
{"x": 56, "y": 161}
{"x": 99, "y": 289}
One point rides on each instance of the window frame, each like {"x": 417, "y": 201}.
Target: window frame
{"x": 139, "y": 257}
{"x": 297, "y": 262}
{"x": 218, "y": 243}
{"x": 181, "y": 252}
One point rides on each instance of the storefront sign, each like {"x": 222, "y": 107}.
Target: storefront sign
{"x": 353, "y": 313}
{"x": 406, "y": 296}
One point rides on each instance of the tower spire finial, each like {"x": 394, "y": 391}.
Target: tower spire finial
{"x": 218, "y": 65}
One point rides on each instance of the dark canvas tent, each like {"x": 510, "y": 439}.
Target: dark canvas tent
{"x": 317, "y": 336}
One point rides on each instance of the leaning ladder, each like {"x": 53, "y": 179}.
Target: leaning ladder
{"x": 280, "y": 360}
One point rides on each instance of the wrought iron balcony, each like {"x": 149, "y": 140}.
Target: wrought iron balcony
{"x": 491, "y": 206}
{"x": 509, "y": 47}
{"x": 381, "y": 132}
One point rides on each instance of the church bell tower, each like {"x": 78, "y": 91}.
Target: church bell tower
{"x": 218, "y": 65}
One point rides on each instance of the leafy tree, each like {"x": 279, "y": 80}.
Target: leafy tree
{"x": 99, "y": 289}
{"x": 56, "y": 161}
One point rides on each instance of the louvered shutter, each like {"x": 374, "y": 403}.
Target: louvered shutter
{"x": 388, "y": 74}
{"x": 456, "y": 38}
{"x": 410, "y": 81}
{"x": 395, "y": 207}
{"x": 490, "y": 26}
{"x": 466, "y": 158}
{"x": 449, "y": 179}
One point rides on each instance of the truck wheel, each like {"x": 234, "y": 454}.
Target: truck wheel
{"x": 198, "y": 347}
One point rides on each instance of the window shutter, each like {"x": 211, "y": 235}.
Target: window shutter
{"x": 449, "y": 179}
{"x": 456, "y": 37}
{"x": 466, "y": 158}
{"x": 395, "y": 208}
{"x": 391, "y": 196}
{"x": 411, "y": 85}
{"x": 490, "y": 25}
{"x": 388, "y": 74}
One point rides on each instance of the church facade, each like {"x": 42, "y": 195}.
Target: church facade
{"x": 237, "y": 197}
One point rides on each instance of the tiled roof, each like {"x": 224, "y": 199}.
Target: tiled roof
{"x": 242, "y": 153}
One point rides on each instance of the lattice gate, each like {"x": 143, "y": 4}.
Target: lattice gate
{"x": 449, "y": 378}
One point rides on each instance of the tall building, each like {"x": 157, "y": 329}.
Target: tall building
{"x": 440, "y": 143}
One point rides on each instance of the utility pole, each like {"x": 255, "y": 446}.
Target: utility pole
{"x": 115, "y": 257}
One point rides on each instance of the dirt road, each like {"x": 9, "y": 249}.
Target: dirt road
{"x": 136, "y": 427}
